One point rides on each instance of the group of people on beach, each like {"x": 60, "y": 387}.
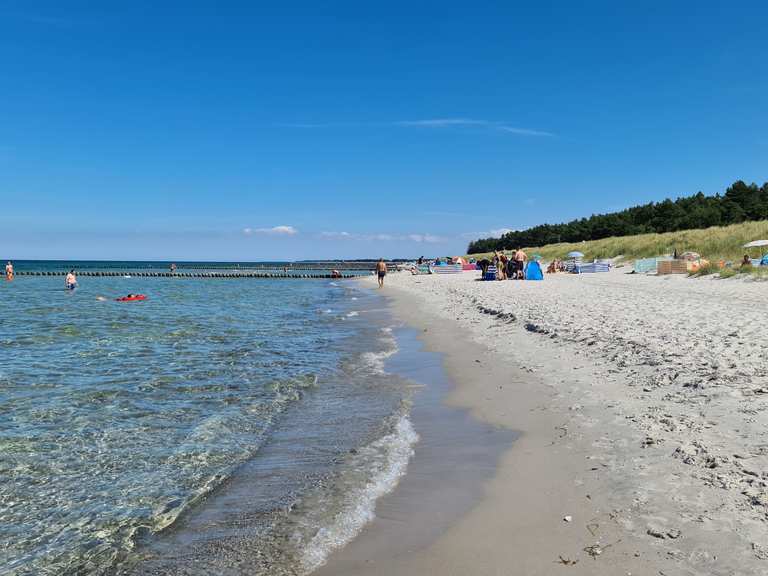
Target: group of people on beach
{"x": 507, "y": 267}
{"x": 556, "y": 265}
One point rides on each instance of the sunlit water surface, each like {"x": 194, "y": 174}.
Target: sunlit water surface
{"x": 120, "y": 419}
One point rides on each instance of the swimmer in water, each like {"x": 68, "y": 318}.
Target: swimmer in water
{"x": 9, "y": 271}
{"x": 71, "y": 280}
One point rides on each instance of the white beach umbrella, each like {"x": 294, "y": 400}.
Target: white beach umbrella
{"x": 756, "y": 243}
{"x": 575, "y": 254}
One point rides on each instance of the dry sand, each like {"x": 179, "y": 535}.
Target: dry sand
{"x": 642, "y": 406}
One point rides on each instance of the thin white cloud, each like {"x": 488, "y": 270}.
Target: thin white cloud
{"x": 525, "y": 131}
{"x": 493, "y": 233}
{"x": 443, "y": 122}
{"x": 426, "y": 238}
{"x": 274, "y": 231}
{"x": 384, "y": 237}
{"x": 435, "y": 123}
{"x": 472, "y": 122}
{"x": 342, "y": 235}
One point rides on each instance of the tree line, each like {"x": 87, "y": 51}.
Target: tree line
{"x": 741, "y": 202}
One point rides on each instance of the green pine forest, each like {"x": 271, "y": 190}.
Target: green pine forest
{"x": 741, "y": 202}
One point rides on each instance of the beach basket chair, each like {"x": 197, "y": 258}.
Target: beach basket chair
{"x": 490, "y": 274}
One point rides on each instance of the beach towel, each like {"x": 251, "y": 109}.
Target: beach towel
{"x": 490, "y": 274}
{"x": 533, "y": 271}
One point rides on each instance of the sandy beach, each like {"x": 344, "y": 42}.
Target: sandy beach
{"x": 640, "y": 403}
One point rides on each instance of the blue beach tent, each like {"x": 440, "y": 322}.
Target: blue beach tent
{"x": 533, "y": 271}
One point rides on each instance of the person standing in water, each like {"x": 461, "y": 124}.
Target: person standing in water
{"x": 9, "y": 271}
{"x": 381, "y": 271}
{"x": 71, "y": 280}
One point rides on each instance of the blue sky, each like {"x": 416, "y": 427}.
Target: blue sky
{"x": 249, "y": 130}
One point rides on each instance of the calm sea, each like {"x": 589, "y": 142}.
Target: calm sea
{"x": 220, "y": 426}
{"x": 63, "y": 266}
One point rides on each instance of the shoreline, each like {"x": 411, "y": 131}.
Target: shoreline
{"x": 453, "y": 446}
{"x": 223, "y": 532}
{"x": 305, "y": 489}
{"x": 584, "y": 487}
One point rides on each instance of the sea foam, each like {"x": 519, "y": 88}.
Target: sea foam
{"x": 387, "y": 459}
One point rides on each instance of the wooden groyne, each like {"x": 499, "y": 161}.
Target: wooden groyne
{"x": 194, "y": 274}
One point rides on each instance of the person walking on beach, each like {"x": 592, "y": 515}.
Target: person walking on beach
{"x": 71, "y": 280}
{"x": 9, "y": 271}
{"x": 381, "y": 271}
{"x": 520, "y": 258}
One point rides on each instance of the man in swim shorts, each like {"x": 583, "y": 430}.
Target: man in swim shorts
{"x": 71, "y": 280}
{"x": 381, "y": 271}
{"x": 9, "y": 271}
{"x": 520, "y": 258}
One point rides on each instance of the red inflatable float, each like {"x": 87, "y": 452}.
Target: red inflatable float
{"x": 131, "y": 298}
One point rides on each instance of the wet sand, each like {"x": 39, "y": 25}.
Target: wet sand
{"x": 642, "y": 424}
{"x": 455, "y": 456}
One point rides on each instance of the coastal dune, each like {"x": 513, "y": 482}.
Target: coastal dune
{"x": 641, "y": 403}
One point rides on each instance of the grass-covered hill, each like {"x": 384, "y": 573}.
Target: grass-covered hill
{"x": 714, "y": 243}
{"x": 740, "y": 203}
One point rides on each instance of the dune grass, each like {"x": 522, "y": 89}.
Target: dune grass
{"x": 754, "y": 271}
{"x": 716, "y": 243}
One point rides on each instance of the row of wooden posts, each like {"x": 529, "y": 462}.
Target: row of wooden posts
{"x": 201, "y": 274}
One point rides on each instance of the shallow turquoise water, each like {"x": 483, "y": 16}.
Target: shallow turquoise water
{"x": 117, "y": 418}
